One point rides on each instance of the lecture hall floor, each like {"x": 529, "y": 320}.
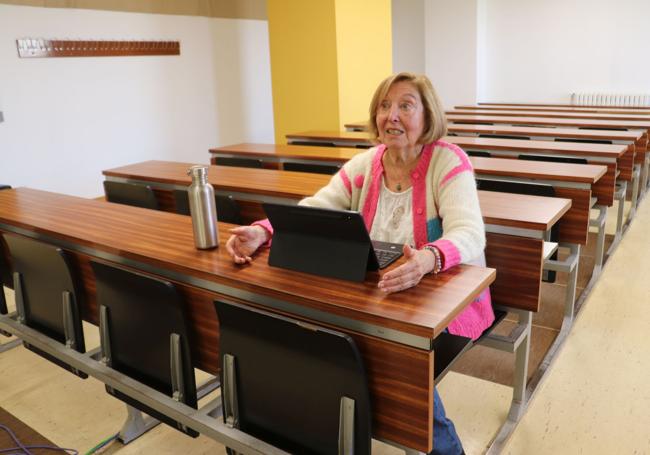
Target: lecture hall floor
{"x": 594, "y": 399}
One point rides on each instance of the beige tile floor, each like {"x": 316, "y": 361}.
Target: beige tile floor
{"x": 594, "y": 400}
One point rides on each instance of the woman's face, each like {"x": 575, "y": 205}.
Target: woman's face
{"x": 400, "y": 116}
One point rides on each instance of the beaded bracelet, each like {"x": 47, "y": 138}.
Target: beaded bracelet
{"x": 437, "y": 265}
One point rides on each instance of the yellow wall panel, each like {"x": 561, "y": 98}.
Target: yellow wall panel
{"x": 364, "y": 43}
{"x": 304, "y": 73}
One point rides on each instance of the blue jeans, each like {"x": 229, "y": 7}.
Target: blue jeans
{"x": 445, "y": 439}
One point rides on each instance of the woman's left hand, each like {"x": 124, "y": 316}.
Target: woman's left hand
{"x": 418, "y": 264}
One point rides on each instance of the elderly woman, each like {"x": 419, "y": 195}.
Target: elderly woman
{"x": 412, "y": 188}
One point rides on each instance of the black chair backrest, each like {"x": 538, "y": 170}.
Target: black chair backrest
{"x": 533, "y": 189}
{"x": 290, "y": 380}
{"x": 5, "y": 268}
{"x": 601, "y": 128}
{"x": 478, "y": 153}
{"x": 227, "y": 208}
{"x": 46, "y": 272}
{"x": 314, "y": 143}
{"x": 130, "y": 194}
{"x": 553, "y": 159}
{"x": 314, "y": 168}
{"x": 504, "y": 136}
{"x": 585, "y": 141}
{"x": 238, "y": 162}
{"x": 143, "y": 312}
{"x": 6, "y": 279}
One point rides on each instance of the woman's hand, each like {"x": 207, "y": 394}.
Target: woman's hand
{"x": 418, "y": 264}
{"x": 244, "y": 241}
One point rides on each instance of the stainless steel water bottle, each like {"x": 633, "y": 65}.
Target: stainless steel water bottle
{"x": 202, "y": 208}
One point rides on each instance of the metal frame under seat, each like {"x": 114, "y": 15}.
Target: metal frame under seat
{"x": 202, "y": 420}
{"x": 518, "y": 340}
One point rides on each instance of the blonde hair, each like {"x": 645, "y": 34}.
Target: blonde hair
{"x": 435, "y": 122}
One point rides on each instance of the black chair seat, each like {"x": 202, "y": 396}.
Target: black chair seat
{"x": 314, "y": 143}
{"x": 142, "y": 313}
{"x": 290, "y": 379}
{"x": 6, "y": 279}
{"x": 553, "y": 159}
{"x": 504, "y": 136}
{"x": 238, "y": 162}
{"x": 46, "y": 274}
{"x": 314, "y": 168}
{"x": 228, "y": 210}
{"x": 447, "y": 348}
{"x": 478, "y": 153}
{"x": 130, "y": 194}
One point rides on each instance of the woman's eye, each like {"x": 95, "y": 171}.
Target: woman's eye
{"x": 406, "y": 106}
{"x": 385, "y": 105}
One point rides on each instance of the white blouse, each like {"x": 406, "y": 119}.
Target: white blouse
{"x": 394, "y": 218}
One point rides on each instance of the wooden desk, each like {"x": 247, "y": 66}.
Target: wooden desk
{"x": 515, "y": 224}
{"x": 615, "y": 156}
{"x": 572, "y": 181}
{"x": 637, "y": 140}
{"x": 516, "y": 107}
{"x": 641, "y": 157}
{"x": 393, "y": 332}
{"x": 637, "y": 137}
{"x": 573, "y": 114}
{"x": 564, "y": 105}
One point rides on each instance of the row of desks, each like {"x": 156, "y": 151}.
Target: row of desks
{"x": 393, "y": 332}
{"x": 516, "y": 224}
{"x": 576, "y": 182}
{"x": 626, "y": 154}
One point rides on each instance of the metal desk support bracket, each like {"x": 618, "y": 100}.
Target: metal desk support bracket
{"x": 517, "y": 341}
{"x": 4, "y": 347}
{"x": 635, "y": 191}
{"x": 599, "y": 223}
{"x": 570, "y": 266}
{"x": 619, "y": 195}
{"x": 644, "y": 173}
{"x": 18, "y": 297}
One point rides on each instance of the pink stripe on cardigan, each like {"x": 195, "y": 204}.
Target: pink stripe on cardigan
{"x": 465, "y": 164}
{"x": 372, "y": 198}
{"x": 418, "y": 177}
{"x": 346, "y": 180}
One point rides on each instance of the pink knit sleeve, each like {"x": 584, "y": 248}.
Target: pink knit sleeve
{"x": 449, "y": 252}
{"x": 266, "y": 224}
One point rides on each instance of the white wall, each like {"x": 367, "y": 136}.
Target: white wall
{"x": 544, "y": 50}
{"x": 408, "y": 35}
{"x": 67, "y": 119}
{"x": 451, "y": 49}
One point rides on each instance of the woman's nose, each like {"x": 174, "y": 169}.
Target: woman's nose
{"x": 393, "y": 114}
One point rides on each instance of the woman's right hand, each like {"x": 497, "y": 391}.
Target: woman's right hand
{"x": 244, "y": 241}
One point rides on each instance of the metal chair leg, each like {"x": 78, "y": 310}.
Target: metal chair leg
{"x": 620, "y": 197}
{"x": 599, "y": 223}
{"x": 135, "y": 425}
{"x": 635, "y": 191}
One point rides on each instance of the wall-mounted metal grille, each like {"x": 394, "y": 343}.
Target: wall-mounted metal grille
{"x": 610, "y": 99}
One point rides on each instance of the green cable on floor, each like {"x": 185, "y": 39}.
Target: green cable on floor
{"x": 102, "y": 444}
